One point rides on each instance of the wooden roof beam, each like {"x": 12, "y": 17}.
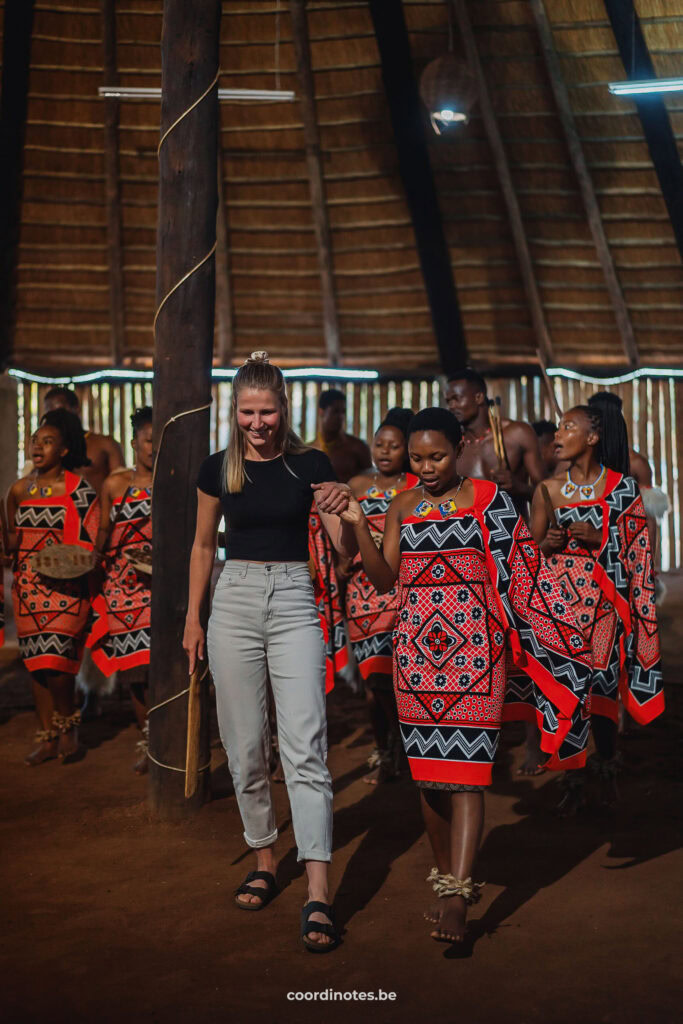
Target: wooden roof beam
{"x": 526, "y": 266}
{"x": 652, "y": 110}
{"x": 16, "y": 61}
{"x": 590, "y": 202}
{"x": 112, "y": 185}
{"x": 407, "y": 117}
{"x": 316, "y": 181}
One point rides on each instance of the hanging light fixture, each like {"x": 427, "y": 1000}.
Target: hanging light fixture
{"x": 448, "y": 86}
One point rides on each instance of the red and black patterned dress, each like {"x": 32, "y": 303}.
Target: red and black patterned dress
{"x": 51, "y": 614}
{"x": 370, "y": 616}
{"x": 327, "y": 597}
{"x": 127, "y": 592}
{"x": 612, "y": 591}
{"x": 475, "y": 592}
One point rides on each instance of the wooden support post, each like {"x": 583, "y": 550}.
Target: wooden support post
{"x": 652, "y": 111}
{"x": 186, "y": 235}
{"x": 316, "y": 182}
{"x": 224, "y": 309}
{"x": 16, "y": 60}
{"x": 585, "y": 181}
{"x": 407, "y": 118}
{"x": 112, "y": 187}
{"x": 526, "y": 267}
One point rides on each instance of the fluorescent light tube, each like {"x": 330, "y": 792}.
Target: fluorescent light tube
{"x": 134, "y": 92}
{"x": 648, "y": 85}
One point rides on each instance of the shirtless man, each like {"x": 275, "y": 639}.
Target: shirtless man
{"x": 467, "y": 400}
{"x": 104, "y": 452}
{"x": 348, "y": 454}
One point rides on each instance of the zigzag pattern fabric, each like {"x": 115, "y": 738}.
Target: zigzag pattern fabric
{"x": 370, "y": 616}
{"x": 612, "y": 590}
{"x": 127, "y": 593}
{"x": 477, "y": 601}
{"x": 327, "y": 597}
{"x": 52, "y": 615}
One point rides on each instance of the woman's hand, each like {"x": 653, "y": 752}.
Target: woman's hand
{"x": 331, "y": 497}
{"x": 353, "y": 513}
{"x": 555, "y": 539}
{"x": 587, "y": 534}
{"x": 193, "y": 643}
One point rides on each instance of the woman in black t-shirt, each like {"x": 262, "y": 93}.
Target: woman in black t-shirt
{"x": 264, "y": 622}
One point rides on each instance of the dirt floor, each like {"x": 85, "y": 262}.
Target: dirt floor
{"x": 108, "y": 916}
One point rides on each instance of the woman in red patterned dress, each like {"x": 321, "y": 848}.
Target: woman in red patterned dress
{"x": 474, "y": 591}
{"x": 52, "y": 506}
{"x": 126, "y": 528}
{"x": 370, "y": 616}
{"x": 598, "y": 546}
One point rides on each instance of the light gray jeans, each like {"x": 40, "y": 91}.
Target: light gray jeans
{"x": 264, "y": 621}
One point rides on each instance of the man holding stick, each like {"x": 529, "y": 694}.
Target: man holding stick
{"x": 505, "y": 451}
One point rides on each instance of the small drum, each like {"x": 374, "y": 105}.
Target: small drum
{"x": 62, "y": 561}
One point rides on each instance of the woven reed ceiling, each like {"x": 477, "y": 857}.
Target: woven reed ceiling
{"x": 63, "y": 313}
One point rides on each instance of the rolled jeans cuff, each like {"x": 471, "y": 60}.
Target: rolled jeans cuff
{"x": 257, "y": 844}
{"x": 323, "y": 855}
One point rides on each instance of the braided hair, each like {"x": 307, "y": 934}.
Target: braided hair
{"x": 612, "y": 449}
{"x": 73, "y": 436}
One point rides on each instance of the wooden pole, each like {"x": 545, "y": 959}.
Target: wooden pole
{"x": 526, "y": 266}
{"x": 186, "y": 236}
{"x": 16, "y": 60}
{"x": 112, "y": 186}
{"x": 583, "y": 176}
{"x": 225, "y": 325}
{"x": 407, "y": 118}
{"x": 316, "y": 181}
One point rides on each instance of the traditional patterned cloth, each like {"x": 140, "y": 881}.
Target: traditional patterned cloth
{"x": 327, "y": 597}
{"x": 370, "y": 616}
{"x": 612, "y": 590}
{"x": 127, "y": 593}
{"x": 51, "y": 614}
{"x": 474, "y": 591}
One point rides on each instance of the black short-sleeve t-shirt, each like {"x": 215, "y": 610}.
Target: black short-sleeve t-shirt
{"x": 268, "y": 520}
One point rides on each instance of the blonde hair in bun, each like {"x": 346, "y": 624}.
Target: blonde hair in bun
{"x": 261, "y": 375}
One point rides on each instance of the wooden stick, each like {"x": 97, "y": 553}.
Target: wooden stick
{"x": 549, "y": 507}
{"x": 548, "y": 385}
{"x": 193, "y": 725}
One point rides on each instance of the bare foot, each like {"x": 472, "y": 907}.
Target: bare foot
{"x": 68, "y": 745}
{"x": 452, "y": 925}
{"x": 433, "y": 912}
{"x": 45, "y": 751}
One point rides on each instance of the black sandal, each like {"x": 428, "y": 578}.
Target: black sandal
{"x": 265, "y": 895}
{"x": 308, "y": 926}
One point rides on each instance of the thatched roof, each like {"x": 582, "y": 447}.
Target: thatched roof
{"x": 63, "y": 310}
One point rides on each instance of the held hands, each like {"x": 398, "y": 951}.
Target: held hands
{"x": 331, "y": 497}
{"x": 193, "y": 644}
{"x": 587, "y": 534}
{"x": 354, "y": 513}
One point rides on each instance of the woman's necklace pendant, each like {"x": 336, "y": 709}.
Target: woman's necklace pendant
{"x": 586, "y": 491}
{"x": 446, "y": 507}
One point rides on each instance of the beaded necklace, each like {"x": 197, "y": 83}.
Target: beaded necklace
{"x": 585, "y": 491}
